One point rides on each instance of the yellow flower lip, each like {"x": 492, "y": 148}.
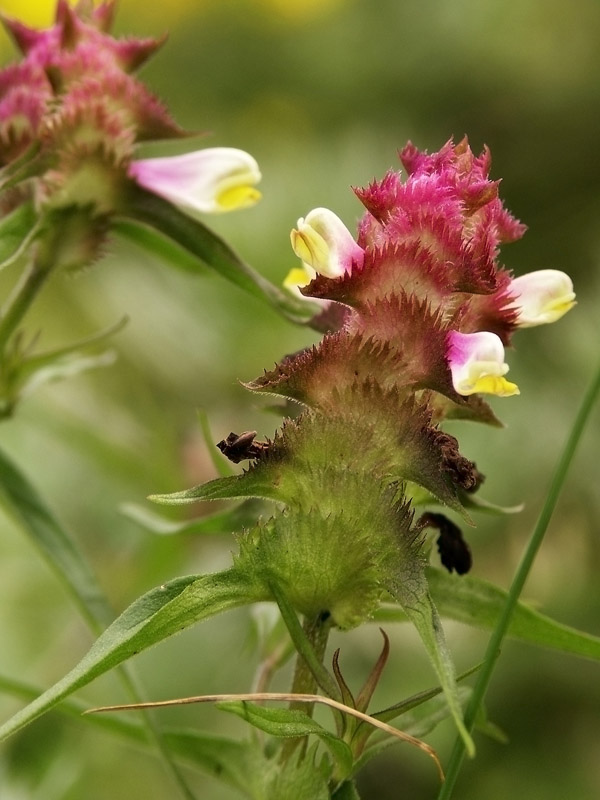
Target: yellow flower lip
{"x": 492, "y": 384}
{"x": 296, "y": 278}
{"x": 238, "y": 197}
{"x": 476, "y": 362}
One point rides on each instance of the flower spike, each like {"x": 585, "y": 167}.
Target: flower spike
{"x": 476, "y": 361}
{"x": 426, "y": 309}
{"x": 213, "y": 180}
{"x": 541, "y": 297}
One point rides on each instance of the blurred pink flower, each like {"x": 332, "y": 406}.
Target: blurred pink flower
{"x": 213, "y": 180}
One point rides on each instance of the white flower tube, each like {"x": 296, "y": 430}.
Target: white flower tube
{"x": 476, "y": 361}
{"x": 213, "y": 180}
{"x": 325, "y": 245}
{"x": 541, "y": 297}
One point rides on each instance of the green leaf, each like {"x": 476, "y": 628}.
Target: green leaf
{"x": 474, "y": 502}
{"x": 419, "y": 721}
{"x": 347, "y": 791}
{"x": 503, "y": 625}
{"x": 415, "y": 700}
{"x": 300, "y": 778}
{"x": 479, "y": 603}
{"x": 25, "y": 374}
{"x": 59, "y": 369}
{"x": 16, "y": 230}
{"x": 225, "y": 759}
{"x": 208, "y": 248}
{"x": 36, "y": 362}
{"x": 477, "y": 503}
{"x": 228, "y": 521}
{"x": 239, "y": 764}
{"x": 153, "y": 617}
{"x": 27, "y": 508}
{"x": 416, "y": 601}
{"x": 150, "y": 240}
{"x": 234, "y": 487}
{"x": 476, "y": 602}
{"x": 290, "y": 723}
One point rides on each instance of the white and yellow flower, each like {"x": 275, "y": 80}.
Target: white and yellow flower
{"x": 325, "y": 245}
{"x": 541, "y": 297}
{"x": 476, "y": 361}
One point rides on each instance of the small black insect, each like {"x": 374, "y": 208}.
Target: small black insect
{"x": 455, "y": 553}
{"x": 238, "y": 447}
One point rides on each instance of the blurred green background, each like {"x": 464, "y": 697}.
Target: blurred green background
{"x": 323, "y": 94}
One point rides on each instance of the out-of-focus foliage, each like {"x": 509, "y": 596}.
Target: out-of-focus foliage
{"x": 323, "y": 95}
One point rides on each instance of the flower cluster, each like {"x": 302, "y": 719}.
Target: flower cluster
{"x": 423, "y": 313}
{"x": 434, "y": 238}
{"x": 72, "y": 115}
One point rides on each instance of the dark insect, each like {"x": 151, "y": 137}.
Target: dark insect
{"x": 238, "y": 447}
{"x": 455, "y": 553}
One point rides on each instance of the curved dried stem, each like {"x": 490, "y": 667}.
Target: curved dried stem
{"x": 282, "y": 697}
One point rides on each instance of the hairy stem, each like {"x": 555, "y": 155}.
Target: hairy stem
{"x": 308, "y": 644}
{"x": 316, "y": 631}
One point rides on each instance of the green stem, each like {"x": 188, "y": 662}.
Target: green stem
{"x": 305, "y": 681}
{"x": 316, "y": 634}
{"x": 310, "y": 642}
{"x": 495, "y": 642}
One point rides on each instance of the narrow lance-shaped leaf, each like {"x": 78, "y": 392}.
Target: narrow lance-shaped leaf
{"x": 210, "y": 249}
{"x": 479, "y": 603}
{"x": 416, "y": 601}
{"x": 292, "y": 723}
{"x": 420, "y": 721}
{"x": 476, "y": 602}
{"x": 226, "y": 759}
{"x": 240, "y": 516}
{"x": 33, "y": 363}
{"x": 155, "y": 616}
{"x": 24, "y": 504}
{"x": 233, "y": 487}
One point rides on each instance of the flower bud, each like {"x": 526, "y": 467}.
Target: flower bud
{"x": 325, "y": 245}
{"x": 541, "y": 297}
{"x": 476, "y": 361}
{"x": 207, "y": 181}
